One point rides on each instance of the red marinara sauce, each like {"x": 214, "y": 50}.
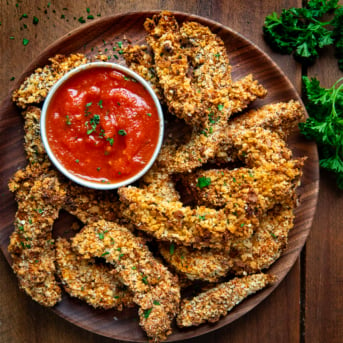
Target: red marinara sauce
{"x": 102, "y": 125}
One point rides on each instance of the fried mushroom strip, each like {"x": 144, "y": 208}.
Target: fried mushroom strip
{"x": 155, "y": 289}
{"x": 260, "y": 251}
{"x": 33, "y": 145}
{"x": 261, "y": 188}
{"x": 257, "y": 146}
{"x": 204, "y": 264}
{"x": 172, "y": 68}
{"x": 141, "y": 61}
{"x": 244, "y": 91}
{"x": 31, "y": 244}
{"x": 172, "y": 221}
{"x": 90, "y": 281}
{"x": 209, "y": 306}
{"x": 36, "y": 87}
{"x": 246, "y": 256}
{"x": 89, "y": 204}
{"x": 281, "y": 117}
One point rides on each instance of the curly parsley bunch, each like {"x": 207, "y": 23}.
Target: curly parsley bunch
{"x": 325, "y": 124}
{"x": 301, "y": 32}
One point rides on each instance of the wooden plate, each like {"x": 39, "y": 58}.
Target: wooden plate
{"x": 245, "y": 58}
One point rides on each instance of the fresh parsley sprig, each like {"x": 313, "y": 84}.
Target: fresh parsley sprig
{"x": 301, "y": 32}
{"x": 325, "y": 124}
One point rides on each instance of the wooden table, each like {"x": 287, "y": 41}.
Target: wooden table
{"x": 307, "y": 307}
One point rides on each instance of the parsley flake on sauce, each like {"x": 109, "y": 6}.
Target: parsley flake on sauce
{"x": 122, "y": 133}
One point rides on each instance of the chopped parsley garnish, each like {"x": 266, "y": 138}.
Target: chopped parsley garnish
{"x": 101, "y": 235}
{"x": 122, "y": 133}
{"x": 25, "y": 41}
{"x": 93, "y": 122}
{"x": 110, "y": 140}
{"x": 203, "y": 182}
{"x": 35, "y": 20}
{"x": 147, "y": 312}
{"x": 172, "y": 249}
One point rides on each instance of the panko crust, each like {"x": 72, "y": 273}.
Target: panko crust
{"x": 90, "y": 281}
{"x": 31, "y": 244}
{"x": 156, "y": 290}
{"x": 199, "y": 227}
{"x": 209, "y": 306}
{"x": 35, "y": 88}
{"x": 261, "y": 188}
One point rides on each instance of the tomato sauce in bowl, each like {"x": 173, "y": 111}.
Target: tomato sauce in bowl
{"x": 102, "y": 125}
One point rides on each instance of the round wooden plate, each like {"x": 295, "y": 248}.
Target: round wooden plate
{"x": 245, "y": 57}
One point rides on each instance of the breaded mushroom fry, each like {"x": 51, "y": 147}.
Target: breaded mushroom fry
{"x": 156, "y": 290}
{"x": 218, "y": 301}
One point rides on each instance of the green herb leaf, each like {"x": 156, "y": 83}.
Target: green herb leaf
{"x": 147, "y": 313}
{"x": 325, "y": 124}
{"x": 122, "y": 133}
{"x": 302, "y": 32}
{"x": 203, "y": 182}
{"x": 172, "y": 249}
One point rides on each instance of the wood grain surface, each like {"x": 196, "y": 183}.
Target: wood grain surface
{"x": 306, "y": 306}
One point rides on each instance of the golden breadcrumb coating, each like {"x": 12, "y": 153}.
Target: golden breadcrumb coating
{"x": 204, "y": 264}
{"x": 209, "y": 306}
{"x": 90, "y": 281}
{"x": 31, "y": 244}
{"x": 238, "y": 220}
{"x": 172, "y": 221}
{"x": 265, "y": 246}
{"x": 246, "y": 255}
{"x": 141, "y": 61}
{"x": 89, "y": 204}
{"x": 172, "y": 68}
{"x": 156, "y": 290}
{"x": 207, "y": 56}
{"x": 244, "y": 91}
{"x": 280, "y": 117}
{"x": 241, "y": 93}
{"x": 35, "y": 88}
{"x": 261, "y": 188}
{"x": 33, "y": 145}
{"x": 159, "y": 182}
{"x": 256, "y": 147}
